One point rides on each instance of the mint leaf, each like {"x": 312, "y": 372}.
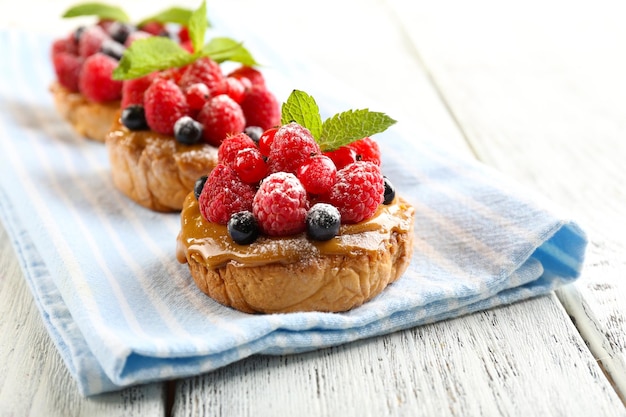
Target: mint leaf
{"x": 197, "y": 26}
{"x": 349, "y": 126}
{"x": 227, "y": 49}
{"x": 302, "y": 109}
{"x": 177, "y": 15}
{"x": 101, "y": 10}
{"x": 151, "y": 54}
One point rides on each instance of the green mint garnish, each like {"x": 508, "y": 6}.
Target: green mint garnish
{"x": 227, "y": 49}
{"x": 157, "y": 53}
{"x": 177, "y": 15}
{"x": 349, "y": 126}
{"x": 101, "y": 10}
{"x": 337, "y": 131}
{"x": 151, "y": 54}
{"x": 197, "y": 26}
{"x": 302, "y": 109}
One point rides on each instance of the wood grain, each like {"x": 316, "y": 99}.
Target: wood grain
{"x": 33, "y": 378}
{"x": 493, "y": 363}
{"x": 538, "y": 90}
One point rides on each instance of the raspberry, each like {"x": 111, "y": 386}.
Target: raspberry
{"x": 173, "y": 74}
{"x": 250, "y": 165}
{"x": 197, "y": 94}
{"x": 261, "y": 108}
{"x": 138, "y": 34}
{"x": 203, "y": 70}
{"x": 67, "y": 45}
{"x": 164, "y": 104}
{"x": 232, "y": 87}
{"x": 91, "y": 40}
{"x": 224, "y": 194}
{"x": 266, "y": 140}
{"x": 342, "y": 156}
{"x": 366, "y": 149}
{"x": 133, "y": 90}
{"x": 67, "y": 68}
{"x": 280, "y": 205}
{"x": 221, "y": 117}
{"x": 318, "y": 174}
{"x": 154, "y": 28}
{"x": 95, "y": 80}
{"x": 253, "y": 75}
{"x": 291, "y": 147}
{"x": 227, "y": 152}
{"x": 358, "y": 191}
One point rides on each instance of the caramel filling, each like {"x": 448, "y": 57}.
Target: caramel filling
{"x": 210, "y": 244}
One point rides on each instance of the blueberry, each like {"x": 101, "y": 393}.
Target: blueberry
{"x": 254, "y": 132}
{"x": 113, "y": 49}
{"x": 120, "y": 31}
{"x": 390, "y": 192}
{"x": 188, "y": 131}
{"x": 134, "y": 118}
{"x": 323, "y": 221}
{"x": 78, "y": 33}
{"x": 199, "y": 185}
{"x": 243, "y": 228}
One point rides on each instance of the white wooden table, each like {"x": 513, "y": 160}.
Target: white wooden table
{"x": 535, "y": 89}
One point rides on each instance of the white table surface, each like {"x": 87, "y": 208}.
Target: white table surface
{"x": 536, "y": 90}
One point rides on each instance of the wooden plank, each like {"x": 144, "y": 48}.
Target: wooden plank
{"x": 33, "y": 378}
{"x": 525, "y": 359}
{"x": 539, "y": 91}
{"x": 490, "y": 363}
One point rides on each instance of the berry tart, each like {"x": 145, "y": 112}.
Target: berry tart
{"x": 177, "y": 107}
{"x": 303, "y": 220}
{"x": 84, "y": 92}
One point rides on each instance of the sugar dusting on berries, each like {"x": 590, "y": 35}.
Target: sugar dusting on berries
{"x": 280, "y": 205}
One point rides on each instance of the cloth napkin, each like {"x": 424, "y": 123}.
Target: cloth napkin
{"x": 122, "y": 311}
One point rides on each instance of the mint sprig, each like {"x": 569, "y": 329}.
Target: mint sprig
{"x": 100, "y": 10}
{"x": 337, "y": 131}
{"x": 177, "y": 15}
{"x": 157, "y": 53}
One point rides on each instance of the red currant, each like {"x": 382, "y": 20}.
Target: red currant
{"x": 197, "y": 94}
{"x": 318, "y": 174}
{"x": 250, "y": 165}
{"x": 366, "y": 150}
{"x": 342, "y": 156}
{"x": 266, "y": 139}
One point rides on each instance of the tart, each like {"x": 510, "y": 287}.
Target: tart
{"x": 299, "y": 221}
{"x": 178, "y": 104}
{"x": 83, "y": 91}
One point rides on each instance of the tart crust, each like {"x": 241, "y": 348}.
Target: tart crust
{"x": 323, "y": 282}
{"x": 155, "y": 170}
{"x": 90, "y": 119}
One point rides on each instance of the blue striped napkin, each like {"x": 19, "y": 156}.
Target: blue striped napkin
{"x": 121, "y": 310}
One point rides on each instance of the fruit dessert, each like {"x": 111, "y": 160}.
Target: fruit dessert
{"x": 84, "y": 92}
{"x": 303, "y": 220}
{"x": 177, "y": 106}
